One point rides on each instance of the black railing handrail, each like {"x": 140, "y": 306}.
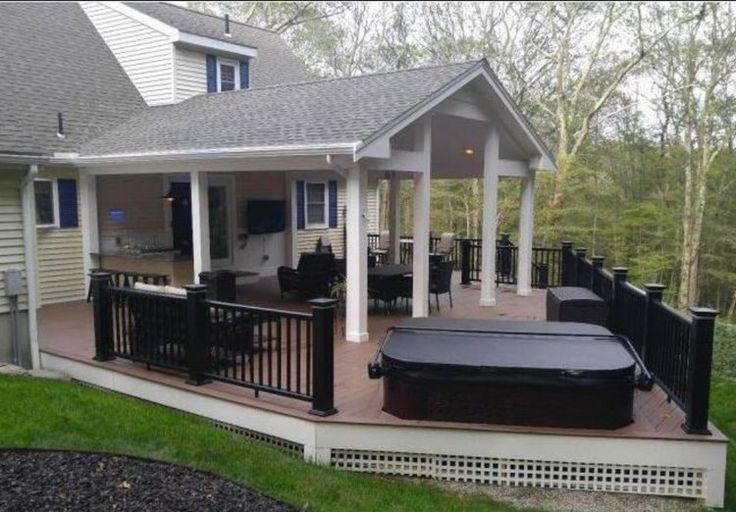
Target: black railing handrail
{"x": 185, "y": 338}
{"x": 676, "y": 347}
{"x": 259, "y": 309}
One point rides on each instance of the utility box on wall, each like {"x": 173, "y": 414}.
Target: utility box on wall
{"x": 13, "y": 282}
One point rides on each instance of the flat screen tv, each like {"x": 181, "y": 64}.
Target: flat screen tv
{"x": 265, "y": 216}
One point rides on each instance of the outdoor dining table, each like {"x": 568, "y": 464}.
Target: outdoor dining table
{"x": 389, "y": 271}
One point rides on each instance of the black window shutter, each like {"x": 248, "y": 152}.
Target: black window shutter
{"x": 67, "y": 190}
{"x": 211, "y": 73}
{"x": 332, "y": 207}
{"x": 244, "y": 74}
{"x": 300, "y": 205}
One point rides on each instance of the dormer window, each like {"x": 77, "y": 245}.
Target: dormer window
{"x": 227, "y": 75}
{"x": 224, "y": 74}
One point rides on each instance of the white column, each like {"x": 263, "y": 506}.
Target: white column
{"x": 490, "y": 219}
{"x": 394, "y": 216}
{"x": 29, "y": 253}
{"x": 420, "y": 231}
{"x": 356, "y": 254}
{"x": 200, "y": 223}
{"x": 90, "y": 225}
{"x": 526, "y": 235}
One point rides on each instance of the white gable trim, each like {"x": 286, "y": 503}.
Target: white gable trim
{"x": 207, "y": 43}
{"x": 378, "y": 144}
{"x": 184, "y": 38}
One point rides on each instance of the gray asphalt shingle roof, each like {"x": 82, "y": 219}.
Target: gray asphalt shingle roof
{"x": 275, "y": 64}
{"x": 52, "y": 60}
{"x": 320, "y": 112}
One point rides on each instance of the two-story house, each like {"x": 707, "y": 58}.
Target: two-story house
{"x": 169, "y": 141}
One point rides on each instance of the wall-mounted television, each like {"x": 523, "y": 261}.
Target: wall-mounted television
{"x": 264, "y": 216}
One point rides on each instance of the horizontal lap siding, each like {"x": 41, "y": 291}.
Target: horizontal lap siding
{"x": 60, "y": 257}
{"x": 307, "y": 238}
{"x": 145, "y": 54}
{"x": 11, "y": 232}
{"x": 191, "y": 74}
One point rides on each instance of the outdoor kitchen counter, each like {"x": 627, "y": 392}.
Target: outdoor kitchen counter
{"x": 178, "y": 267}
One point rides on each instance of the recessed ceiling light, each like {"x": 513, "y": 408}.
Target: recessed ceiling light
{"x": 469, "y": 151}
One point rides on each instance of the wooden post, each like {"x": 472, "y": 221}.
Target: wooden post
{"x": 323, "y": 358}
{"x": 465, "y": 261}
{"x": 579, "y": 261}
{"x": 567, "y": 263}
{"x": 100, "y": 283}
{"x": 654, "y": 293}
{"x": 356, "y": 254}
{"x": 700, "y": 359}
{"x": 198, "y": 353}
{"x": 619, "y": 277}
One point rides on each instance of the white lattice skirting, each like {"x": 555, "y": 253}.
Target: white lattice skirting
{"x": 664, "y": 481}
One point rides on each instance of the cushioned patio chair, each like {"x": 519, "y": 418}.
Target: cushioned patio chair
{"x": 446, "y": 244}
{"x": 312, "y": 276}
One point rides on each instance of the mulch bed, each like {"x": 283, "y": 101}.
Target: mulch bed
{"x": 61, "y": 481}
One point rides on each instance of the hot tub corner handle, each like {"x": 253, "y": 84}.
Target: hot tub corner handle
{"x": 375, "y": 370}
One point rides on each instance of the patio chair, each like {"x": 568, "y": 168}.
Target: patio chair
{"x": 440, "y": 282}
{"x": 312, "y": 276}
{"x": 446, "y": 244}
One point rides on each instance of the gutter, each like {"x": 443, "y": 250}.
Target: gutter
{"x": 25, "y": 159}
{"x": 346, "y": 148}
{"x": 29, "y": 253}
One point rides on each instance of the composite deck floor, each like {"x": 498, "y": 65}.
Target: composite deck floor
{"x": 66, "y": 330}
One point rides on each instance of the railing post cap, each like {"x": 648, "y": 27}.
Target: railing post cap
{"x": 597, "y": 258}
{"x": 195, "y": 288}
{"x": 581, "y": 249}
{"x": 620, "y": 270}
{"x": 702, "y": 312}
{"x": 323, "y": 302}
{"x": 567, "y": 243}
{"x": 655, "y": 287}
{"x": 99, "y": 275}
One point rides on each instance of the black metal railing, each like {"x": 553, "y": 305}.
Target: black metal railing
{"x": 260, "y": 348}
{"x": 148, "y": 327}
{"x": 466, "y": 257}
{"x": 279, "y": 352}
{"x": 127, "y": 279}
{"x": 677, "y": 348}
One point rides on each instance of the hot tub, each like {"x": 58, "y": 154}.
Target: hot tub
{"x": 552, "y": 374}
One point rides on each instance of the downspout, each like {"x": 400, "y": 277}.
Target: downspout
{"x": 29, "y": 250}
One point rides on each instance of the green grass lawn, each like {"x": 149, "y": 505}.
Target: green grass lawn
{"x": 51, "y": 414}
{"x": 42, "y": 413}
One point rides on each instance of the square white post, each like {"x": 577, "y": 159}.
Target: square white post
{"x": 200, "y": 223}
{"x": 90, "y": 226}
{"x": 28, "y": 216}
{"x": 394, "y": 217}
{"x": 422, "y": 182}
{"x": 490, "y": 219}
{"x": 356, "y": 255}
{"x": 526, "y": 235}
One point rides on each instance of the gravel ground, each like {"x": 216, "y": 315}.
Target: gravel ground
{"x": 68, "y": 481}
{"x": 556, "y": 500}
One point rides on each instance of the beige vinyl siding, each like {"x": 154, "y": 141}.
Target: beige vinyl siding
{"x": 11, "y": 232}
{"x": 191, "y": 73}
{"x": 60, "y": 256}
{"x": 145, "y": 54}
{"x": 307, "y": 238}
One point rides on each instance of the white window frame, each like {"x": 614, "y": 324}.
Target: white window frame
{"x": 55, "y": 205}
{"x": 236, "y": 66}
{"x": 317, "y": 225}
